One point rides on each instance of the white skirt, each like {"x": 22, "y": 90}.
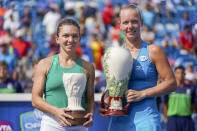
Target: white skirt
{"x": 50, "y": 123}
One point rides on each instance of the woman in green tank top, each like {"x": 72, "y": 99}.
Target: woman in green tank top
{"x": 66, "y": 82}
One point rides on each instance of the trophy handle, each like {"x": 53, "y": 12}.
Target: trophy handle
{"x": 127, "y": 106}
{"x": 103, "y": 99}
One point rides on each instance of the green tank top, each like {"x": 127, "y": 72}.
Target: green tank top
{"x": 55, "y": 87}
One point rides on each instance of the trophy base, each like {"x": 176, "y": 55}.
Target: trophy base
{"x": 111, "y": 112}
{"x": 78, "y": 118}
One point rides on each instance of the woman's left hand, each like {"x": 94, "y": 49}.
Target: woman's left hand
{"x": 133, "y": 95}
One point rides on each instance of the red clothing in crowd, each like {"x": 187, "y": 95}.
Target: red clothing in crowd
{"x": 108, "y": 13}
{"x": 79, "y": 51}
{"x": 116, "y": 32}
{"x": 186, "y": 40}
{"x": 2, "y": 12}
{"x": 2, "y": 31}
{"x": 21, "y": 46}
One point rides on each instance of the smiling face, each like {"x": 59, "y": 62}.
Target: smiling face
{"x": 68, "y": 38}
{"x": 130, "y": 23}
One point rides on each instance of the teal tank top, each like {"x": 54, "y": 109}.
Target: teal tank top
{"x": 142, "y": 115}
{"x": 55, "y": 93}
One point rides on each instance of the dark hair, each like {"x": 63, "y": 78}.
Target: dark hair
{"x": 132, "y": 6}
{"x": 4, "y": 64}
{"x": 179, "y": 67}
{"x": 187, "y": 27}
{"x": 67, "y": 22}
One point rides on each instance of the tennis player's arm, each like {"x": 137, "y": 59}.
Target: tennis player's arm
{"x": 39, "y": 85}
{"x": 90, "y": 89}
{"x": 165, "y": 72}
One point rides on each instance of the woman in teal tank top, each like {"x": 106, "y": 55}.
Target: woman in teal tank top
{"x": 67, "y": 83}
{"x": 55, "y": 87}
{"x": 149, "y": 62}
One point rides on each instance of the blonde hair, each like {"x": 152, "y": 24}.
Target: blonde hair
{"x": 134, "y": 7}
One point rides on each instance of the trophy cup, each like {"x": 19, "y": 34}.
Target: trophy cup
{"x": 117, "y": 65}
{"x": 74, "y": 84}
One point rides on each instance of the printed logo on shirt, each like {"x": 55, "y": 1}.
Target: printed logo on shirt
{"x": 143, "y": 58}
{"x": 139, "y": 68}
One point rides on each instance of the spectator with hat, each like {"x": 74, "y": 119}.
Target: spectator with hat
{"x": 22, "y": 47}
{"x": 24, "y": 51}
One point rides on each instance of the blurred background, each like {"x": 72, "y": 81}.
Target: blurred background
{"x": 28, "y": 30}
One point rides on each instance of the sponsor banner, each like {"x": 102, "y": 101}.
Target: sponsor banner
{"x": 30, "y": 121}
{"x": 6, "y": 126}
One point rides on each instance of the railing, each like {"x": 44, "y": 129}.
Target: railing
{"x": 21, "y": 97}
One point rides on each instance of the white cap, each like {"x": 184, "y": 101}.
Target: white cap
{"x": 190, "y": 77}
{"x": 69, "y": 5}
{"x": 19, "y": 33}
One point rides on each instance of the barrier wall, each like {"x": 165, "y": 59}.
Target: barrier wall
{"x": 17, "y": 113}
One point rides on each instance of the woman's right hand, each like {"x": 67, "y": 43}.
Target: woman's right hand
{"x": 62, "y": 116}
{"x": 102, "y": 110}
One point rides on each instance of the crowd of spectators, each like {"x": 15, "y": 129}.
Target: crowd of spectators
{"x": 27, "y": 32}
